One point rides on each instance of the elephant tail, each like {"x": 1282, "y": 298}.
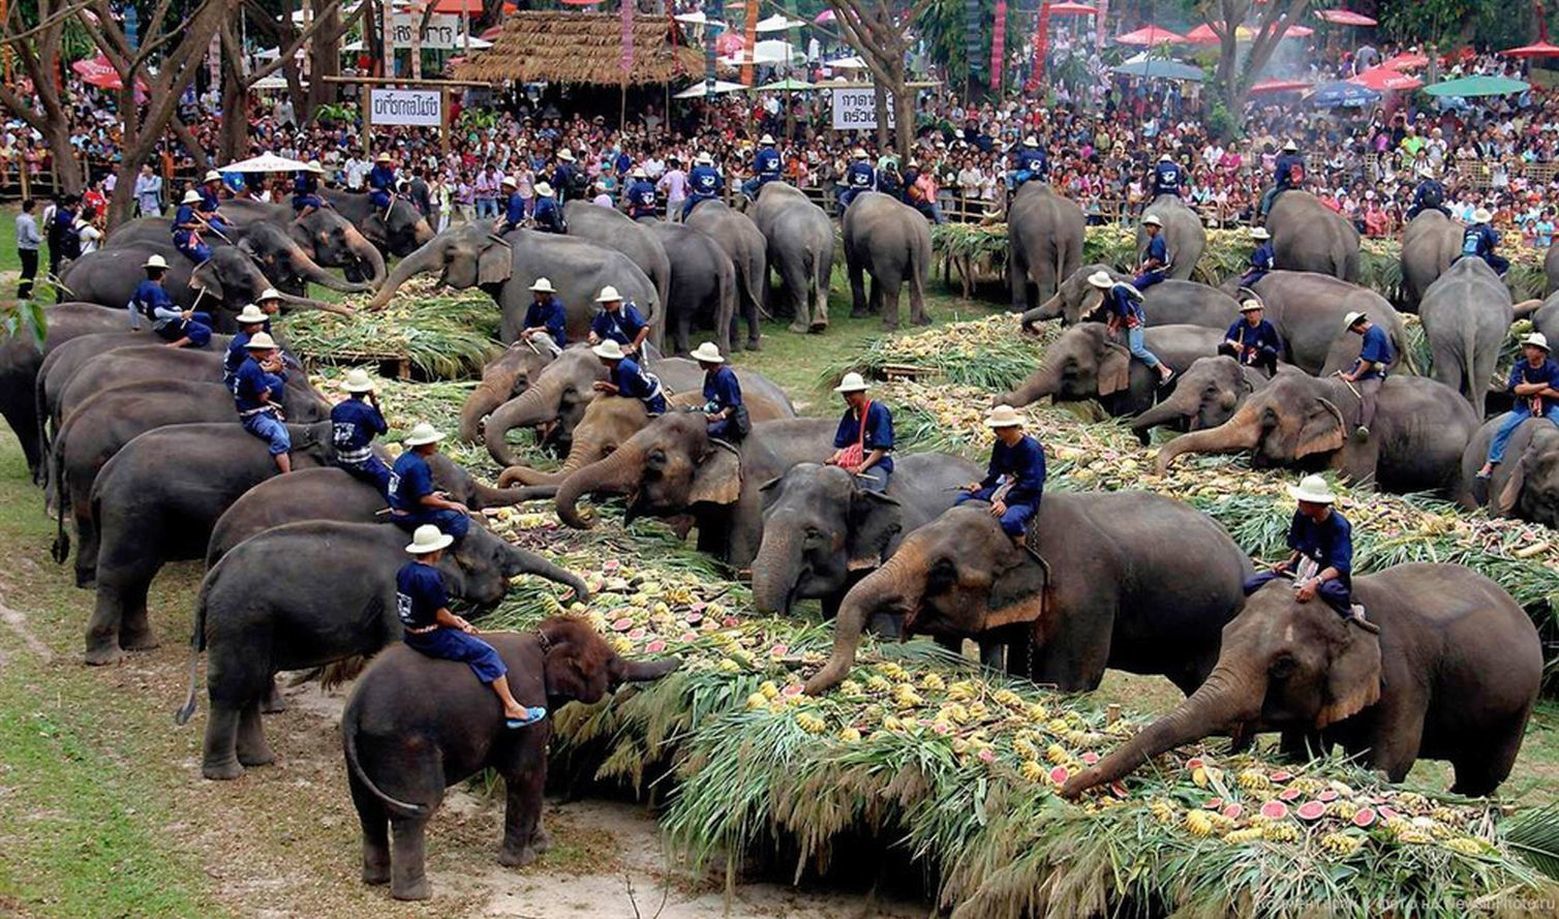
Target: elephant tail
{"x": 1471, "y": 385}
{"x": 197, "y": 644}
{"x": 349, "y": 725}
{"x": 60, "y": 550}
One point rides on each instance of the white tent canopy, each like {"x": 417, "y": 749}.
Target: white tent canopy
{"x": 265, "y": 162}
{"x": 701, "y": 89}
{"x": 699, "y": 19}
{"x": 764, "y": 52}
{"x": 779, "y": 23}
{"x": 272, "y": 82}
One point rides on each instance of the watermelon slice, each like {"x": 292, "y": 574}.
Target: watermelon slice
{"x": 622, "y": 625}
{"x": 1118, "y": 788}
{"x": 637, "y": 633}
{"x": 1328, "y": 795}
{"x": 611, "y": 564}
{"x": 1194, "y": 762}
{"x": 1364, "y": 817}
{"x": 1290, "y": 795}
{"x": 655, "y": 647}
{"x": 1386, "y": 812}
{"x": 1280, "y": 776}
{"x": 1213, "y": 804}
{"x": 1090, "y": 758}
{"x": 1059, "y": 775}
{"x": 1311, "y": 810}
{"x": 1274, "y": 810}
{"x": 1233, "y": 811}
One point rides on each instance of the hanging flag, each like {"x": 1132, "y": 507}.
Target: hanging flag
{"x": 752, "y": 40}
{"x": 627, "y": 17}
{"x": 973, "y": 46}
{"x": 1104, "y": 11}
{"x": 998, "y": 45}
{"x": 1041, "y": 48}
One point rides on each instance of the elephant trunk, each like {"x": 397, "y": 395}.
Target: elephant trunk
{"x": 1232, "y": 696}
{"x": 776, "y": 570}
{"x": 312, "y": 272}
{"x": 482, "y": 401}
{"x": 1238, "y": 433}
{"x": 1527, "y": 307}
{"x": 896, "y": 585}
{"x": 616, "y": 474}
{"x": 1046, "y": 381}
{"x": 1050, "y": 309}
{"x": 360, "y": 246}
{"x": 421, "y": 261}
{"x": 488, "y": 496}
{"x": 645, "y": 671}
{"x": 533, "y": 478}
{"x": 304, "y": 303}
{"x": 537, "y": 405}
{"x": 1179, "y": 405}
{"x": 518, "y": 561}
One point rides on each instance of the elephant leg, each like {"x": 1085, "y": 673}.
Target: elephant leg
{"x": 1394, "y": 738}
{"x": 793, "y": 283}
{"x": 135, "y": 630}
{"x": 822, "y": 269}
{"x": 1483, "y": 762}
{"x": 886, "y": 626}
{"x": 858, "y": 304}
{"x": 684, "y": 330}
{"x": 102, "y": 639}
{"x": 275, "y": 703}
{"x": 1018, "y": 282}
{"x": 917, "y": 301}
{"x": 408, "y": 871}
{"x": 86, "y": 542}
{"x": 253, "y": 750}
{"x": 523, "y": 784}
{"x": 1301, "y": 746}
{"x": 219, "y": 759}
{"x": 993, "y": 653}
{"x": 830, "y": 605}
{"x": 1073, "y": 657}
{"x": 375, "y": 823}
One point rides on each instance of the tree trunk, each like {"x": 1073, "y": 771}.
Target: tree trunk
{"x": 904, "y": 115}
{"x": 234, "y": 144}
{"x": 880, "y": 99}
{"x": 324, "y": 61}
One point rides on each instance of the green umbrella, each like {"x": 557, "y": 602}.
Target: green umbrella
{"x": 1478, "y": 86}
{"x": 787, "y": 85}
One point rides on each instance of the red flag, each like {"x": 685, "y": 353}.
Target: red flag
{"x": 1041, "y": 48}
{"x": 999, "y": 45}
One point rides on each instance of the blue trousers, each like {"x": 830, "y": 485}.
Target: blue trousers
{"x": 196, "y": 252}
{"x": 1139, "y": 350}
{"x": 847, "y": 196}
{"x": 1147, "y": 279}
{"x": 267, "y": 426}
{"x": 197, "y": 328}
{"x": 371, "y": 470}
{"x": 455, "y": 645}
{"x": 300, "y": 202}
{"x": 1250, "y": 277}
{"x": 1334, "y": 592}
{"x": 752, "y": 186}
{"x": 379, "y": 198}
{"x": 1508, "y": 423}
{"x": 694, "y": 201}
{"x": 725, "y": 429}
{"x": 1015, "y": 521}
{"x": 874, "y": 479}
{"x": 448, "y": 521}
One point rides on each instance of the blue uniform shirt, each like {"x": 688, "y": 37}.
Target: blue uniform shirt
{"x": 1262, "y": 339}
{"x": 410, "y": 481}
{"x": 1024, "y": 464}
{"x": 1548, "y": 373}
{"x": 721, "y": 389}
{"x": 354, "y": 423}
{"x": 1328, "y": 543}
{"x": 209, "y": 200}
{"x": 382, "y": 178}
{"x": 860, "y": 175}
{"x": 184, "y": 216}
{"x": 419, "y": 595}
{"x": 1124, "y": 304}
{"x": 150, "y": 297}
{"x": 563, "y": 180}
{"x": 547, "y": 214}
{"x": 1264, "y": 257}
{"x": 622, "y": 327}
{"x": 516, "y": 212}
{"x": 1034, "y": 161}
{"x": 1289, "y": 169}
{"x": 548, "y": 314}
{"x": 304, "y": 183}
{"x": 1479, "y": 240}
{"x": 879, "y": 432}
{"x": 1157, "y": 251}
{"x": 1377, "y": 350}
{"x": 623, "y": 163}
{"x": 253, "y": 381}
{"x": 767, "y": 164}
{"x": 704, "y": 181}
{"x": 631, "y": 381}
{"x": 1428, "y": 190}
{"x": 237, "y": 353}
{"x": 1166, "y": 179}
{"x": 641, "y": 198}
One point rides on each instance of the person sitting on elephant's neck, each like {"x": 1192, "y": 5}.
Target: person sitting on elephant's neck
{"x": 186, "y": 229}
{"x": 210, "y": 203}
{"x": 1252, "y": 340}
{"x": 1428, "y": 196}
{"x": 704, "y": 181}
{"x": 177, "y": 327}
{"x": 624, "y": 377}
{"x": 1123, "y": 305}
{"x": 618, "y": 321}
{"x": 381, "y": 182}
{"x": 1014, "y": 481}
{"x": 413, "y": 502}
{"x": 1321, "y": 563}
{"x": 305, "y": 191}
{"x": 1032, "y": 163}
{"x": 428, "y": 627}
{"x": 1262, "y": 258}
{"x": 767, "y": 166}
{"x": 1155, "y": 255}
{"x": 546, "y": 322}
{"x": 250, "y": 320}
{"x": 1288, "y": 172}
{"x": 723, "y": 406}
{"x": 546, "y": 214}
{"x": 1534, "y": 382}
{"x": 354, "y": 423}
{"x": 863, "y": 445}
{"x": 1167, "y": 178}
{"x": 1479, "y": 241}
{"x": 1368, "y": 373}
{"x": 257, "y": 395}
{"x": 514, "y": 207}
{"x": 640, "y": 195}
{"x": 858, "y": 177}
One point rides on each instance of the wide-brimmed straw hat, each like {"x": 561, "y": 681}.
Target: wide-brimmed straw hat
{"x": 1352, "y": 319}
{"x": 156, "y": 261}
{"x": 1003, "y": 416}
{"x": 610, "y": 350}
{"x": 270, "y": 293}
{"x": 423, "y": 433}
{"x": 509, "y": 182}
{"x": 260, "y": 342}
{"x": 1152, "y": 220}
{"x": 1312, "y": 489}
{"x": 1536, "y": 340}
{"x": 212, "y": 176}
{"x": 1259, "y": 233}
{"x": 543, "y": 190}
{"x": 708, "y": 353}
{"x": 1250, "y": 305}
{"x": 566, "y": 155}
{"x": 1101, "y": 279}
{"x": 427, "y": 539}
{"x": 852, "y": 382}
{"x": 1482, "y": 215}
{"x": 250, "y": 315}
{"x": 609, "y": 294}
{"x": 543, "y": 286}
{"x": 191, "y": 197}
{"x": 382, "y": 158}
{"x": 357, "y": 380}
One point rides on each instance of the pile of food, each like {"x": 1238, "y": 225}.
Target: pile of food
{"x": 445, "y": 334}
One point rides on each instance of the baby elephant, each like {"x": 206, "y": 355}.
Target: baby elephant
{"x": 415, "y": 725}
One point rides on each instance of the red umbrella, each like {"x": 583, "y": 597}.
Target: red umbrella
{"x": 1539, "y": 49}
{"x": 1405, "y": 61}
{"x": 1072, "y": 9}
{"x": 1278, "y": 86}
{"x": 1345, "y": 18}
{"x": 729, "y": 43}
{"x": 1204, "y": 34}
{"x": 100, "y": 73}
{"x": 1149, "y": 36}
{"x": 1384, "y": 78}
{"x": 456, "y": 7}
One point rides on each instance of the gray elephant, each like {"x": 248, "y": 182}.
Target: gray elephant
{"x": 282, "y": 600}
{"x": 1183, "y": 234}
{"x": 471, "y": 255}
{"x": 1415, "y": 444}
{"x": 503, "y": 378}
{"x": 800, "y": 239}
{"x": 21, "y": 360}
{"x": 414, "y": 726}
{"x": 703, "y": 285}
{"x": 398, "y": 230}
{"x": 1545, "y": 318}
{"x": 1125, "y": 580}
{"x": 60, "y": 365}
{"x": 1467, "y": 314}
{"x": 1526, "y": 484}
{"x": 1205, "y": 395}
{"x": 1044, "y": 244}
{"x": 1087, "y": 362}
{"x": 889, "y": 240}
{"x": 610, "y": 228}
{"x": 822, "y": 532}
{"x": 1308, "y": 311}
{"x": 286, "y": 264}
{"x": 1165, "y": 303}
{"x": 1452, "y": 675}
{"x": 747, "y": 249}
{"x": 331, "y": 238}
{"x": 1431, "y": 242}
{"x": 672, "y": 468}
{"x": 150, "y": 511}
{"x": 1309, "y": 236}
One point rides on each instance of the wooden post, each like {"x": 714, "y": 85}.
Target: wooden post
{"x": 365, "y": 107}
{"x": 444, "y": 121}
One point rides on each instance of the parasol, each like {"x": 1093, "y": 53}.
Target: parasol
{"x": 266, "y": 162}
{"x": 1073, "y": 9}
{"x": 1343, "y": 93}
{"x": 1468, "y": 87}
{"x": 1158, "y": 69}
{"x": 779, "y": 23}
{"x": 701, "y": 89}
{"x": 1278, "y": 86}
{"x": 787, "y": 85}
{"x": 1384, "y": 78}
{"x": 1345, "y": 18}
{"x": 1405, "y": 61}
{"x": 1148, "y": 36}
{"x": 1537, "y": 49}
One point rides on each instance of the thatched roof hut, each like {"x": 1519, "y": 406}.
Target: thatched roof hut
{"x": 583, "y": 48}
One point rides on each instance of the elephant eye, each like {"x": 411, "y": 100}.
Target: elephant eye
{"x": 1282, "y": 667}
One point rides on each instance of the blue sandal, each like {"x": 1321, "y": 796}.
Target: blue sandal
{"x": 533, "y": 714}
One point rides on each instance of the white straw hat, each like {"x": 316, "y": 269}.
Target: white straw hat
{"x": 357, "y": 380}
{"x": 610, "y": 350}
{"x": 191, "y": 197}
{"x": 212, "y": 176}
{"x": 766, "y": 139}
{"x": 859, "y": 154}
{"x": 704, "y": 159}
{"x": 250, "y": 315}
{"x": 1152, "y": 220}
{"x": 509, "y": 182}
{"x": 1101, "y": 279}
{"x": 423, "y": 433}
{"x": 260, "y": 342}
{"x": 428, "y": 538}
{"x": 1352, "y": 319}
{"x": 543, "y": 190}
{"x": 852, "y": 382}
{"x": 382, "y": 158}
{"x": 1003, "y": 416}
{"x": 1259, "y": 233}
{"x": 566, "y": 155}
{"x": 1166, "y": 158}
{"x": 1031, "y": 141}
{"x": 1536, "y": 340}
{"x": 1250, "y": 305}
{"x": 1482, "y": 215}
{"x": 1291, "y": 147}
{"x": 315, "y": 167}
{"x": 543, "y": 286}
{"x": 638, "y": 173}
{"x": 270, "y": 293}
{"x": 708, "y": 352}
{"x": 609, "y": 294}
{"x": 156, "y": 261}
{"x": 1312, "y": 489}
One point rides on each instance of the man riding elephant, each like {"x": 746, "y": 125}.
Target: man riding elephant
{"x": 624, "y": 377}
{"x": 1154, "y": 266}
{"x": 863, "y": 445}
{"x": 546, "y": 321}
{"x": 1262, "y": 259}
{"x": 1123, "y": 303}
{"x": 1368, "y": 373}
{"x": 186, "y": 229}
{"x": 354, "y": 423}
{"x": 1032, "y": 163}
{"x": 723, "y": 406}
{"x": 1252, "y": 340}
{"x": 1321, "y": 564}
{"x": 1014, "y": 481}
{"x": 1479, "y": 241}
{"x": 1167, "y": 178}
{"x": 1289, "y": 173}
{"x": 257, "y": 393}
{"x": 178, "y": 328}
{"x": 413, "y": 501}
{"x": 1534, "y": 382}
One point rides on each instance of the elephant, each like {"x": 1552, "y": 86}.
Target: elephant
{"x": 21, "y": 359}
{"x": 747, "y": 249}
{"x": 606, "y": 423}
{"x": 672, "y": 468}
{"x": 1526, "y": 484}
{"x": 1308, "y": 311}
{"x": 503, "y": 378}
{"x": 1204, "y": 396}
{"x": 1087, "y": 362}
{"x": 1551, "y": 271}
{"x": 330, "y": 237}
{"x": 1165, "y": 303}
{"x": 398, "y": 231}
{"x": 610, "y": 228}
{"x": 1309, "y": 236}
{"x": 330, "y": 493}
{"x": 414, "y": 726}
{"x": 1431, "y": 242}
{"x": 822, "y": 532}
{"x": 307, "y": 594}
{"x": 1467, "y": 314}
{"x": 151, "y": 509}
{"x": 472, "y": 255}
{"x": 1125, "y": 580}
{"x": 1183, "y": 234}
{"x": 1453, "y": 675}
{"x": 890, "y": 241}
{"x": 800, "y": 239}
{"x": 1415, "y": 444}
{"x": 102, "y": 424}
{"x": 1044, "y": 244}
{"x": 703, "y": 285}
{"x": 1545, "y": 318}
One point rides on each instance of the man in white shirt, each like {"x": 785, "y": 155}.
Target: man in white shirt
{"x": 356, "y": 171}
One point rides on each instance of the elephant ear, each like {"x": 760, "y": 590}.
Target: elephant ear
{"x": 1353, "y": 678}
{"x": 875, "y": 519}
{"x": 1114, "y": 369}
{"x": 718, "y": 479}
{"x": 1323, "y": 431}
{"x": 1515, "y": 480}
{"x": 496, "y": 263}
{"x": 1019, "y": 591}
{"x": 770, "y": 491}
{"x": 204, "y": 277}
